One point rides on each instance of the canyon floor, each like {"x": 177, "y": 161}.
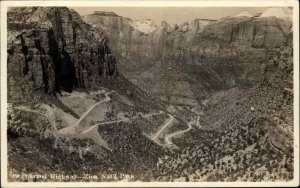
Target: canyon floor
{"x": 164, "y": 143}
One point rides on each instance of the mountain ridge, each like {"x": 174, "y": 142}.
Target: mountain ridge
{"x": 235, "y": 40}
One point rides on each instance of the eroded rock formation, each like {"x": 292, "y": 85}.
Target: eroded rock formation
{"x": 216, "y": 54}
{"x": 53, "y": 49}
{"x": 230, "y": 38}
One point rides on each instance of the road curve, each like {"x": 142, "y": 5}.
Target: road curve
{"x": 91, "y": 108}
{"x": 164, "y": 127}
{"x": 66, "y": 129}
{"x": 116, "y": 121}
{"x": 169, "y": 137}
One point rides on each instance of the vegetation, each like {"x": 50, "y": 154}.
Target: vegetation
{"x": 246, "y": 134}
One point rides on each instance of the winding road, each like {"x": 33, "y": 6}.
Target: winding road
{"x": 107, "y": 98}
{"x": 116, "y": 121}
{"x": 169, "y": 137}
{"x": 164, "y": 127}
{"x": 71, "y": 129}
{"x": 68, "y": 129}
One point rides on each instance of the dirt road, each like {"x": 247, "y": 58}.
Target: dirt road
{"x": 163, "y": 127}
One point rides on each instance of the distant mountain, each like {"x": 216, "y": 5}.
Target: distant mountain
{"x": 246, "y": 30}
{"x": 282, "y": 13}
{"x": 242, "y": 39}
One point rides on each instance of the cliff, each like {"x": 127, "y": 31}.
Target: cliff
{"x": 53, "y": 49}
{"x": 224, "y": 38}
{"x": 216, "y": 54}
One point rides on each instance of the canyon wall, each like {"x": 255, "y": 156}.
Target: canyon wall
{"x": 53, "y": 49}
{"x": 186, "y": 63}
{"x": 237, "y": 38}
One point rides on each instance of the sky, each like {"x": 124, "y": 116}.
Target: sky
{"x": 172, "y": 15}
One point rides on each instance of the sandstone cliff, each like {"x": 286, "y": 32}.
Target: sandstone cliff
{"x": 53, "y": 49}
{"x": 216, "y": 54}
{"x": 189, "y": 42}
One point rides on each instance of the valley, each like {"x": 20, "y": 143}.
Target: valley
{"x": 76, "y": 128}
{"x": 207, "y": 100}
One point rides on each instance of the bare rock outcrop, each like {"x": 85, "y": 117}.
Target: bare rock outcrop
{"x": 224, "y": 38}
{"x": 229, "y": 52}
{"x": 53, "y": 49}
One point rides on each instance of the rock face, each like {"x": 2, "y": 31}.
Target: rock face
{"x": 230, "y": 37}
{"x": 278, "y": 71}
{"x": 228, "y": 52}
{"x": 261, "y": 32}
{"x": 54, "y": 49}
{"x": 142, "y": 39}
{"x": 145, "y": 26}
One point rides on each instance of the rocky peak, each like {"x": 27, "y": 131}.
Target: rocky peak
{"x": 165, "y": 27}
{"x": 195, "y": 26}
{"x": 258, "y": 32}
{"x": 184, "y": 27}
{"x": 198, "y": 25}
{"x": 109, "y": 22}
{"x": 104, "y": 13}
{"x": 282, "y": 13}
{"x": 224, "y": 38}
